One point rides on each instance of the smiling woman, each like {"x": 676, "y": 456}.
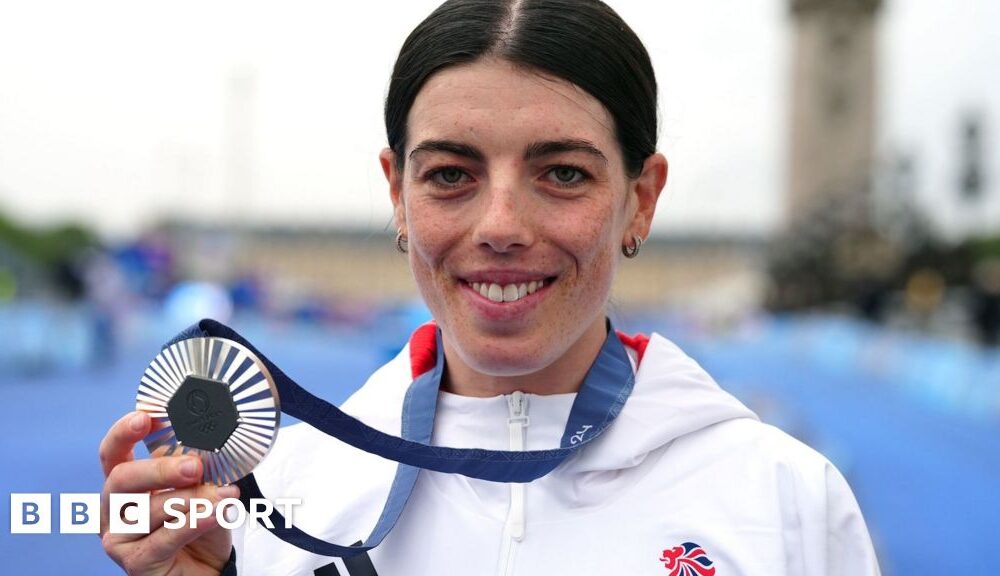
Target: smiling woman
{"x": 522, "y": 168}
{"x": 514, "y": 182}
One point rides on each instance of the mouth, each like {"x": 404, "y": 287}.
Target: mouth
{"x": 503, "y": 291}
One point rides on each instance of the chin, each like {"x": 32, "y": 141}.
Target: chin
{"x": 501, "y": 357}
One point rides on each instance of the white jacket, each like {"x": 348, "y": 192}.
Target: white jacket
{"x": 684, "y": 464}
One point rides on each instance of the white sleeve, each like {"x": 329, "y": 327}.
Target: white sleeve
{"x": 848, "y": 546}
{"x": 823, "y": 530}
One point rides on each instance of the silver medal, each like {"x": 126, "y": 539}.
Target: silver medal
{"x": 214, "y": 398}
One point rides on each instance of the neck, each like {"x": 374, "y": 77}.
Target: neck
{"x": 564, "y": 375}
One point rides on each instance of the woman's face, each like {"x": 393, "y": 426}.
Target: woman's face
{"x": 516, "y": 204}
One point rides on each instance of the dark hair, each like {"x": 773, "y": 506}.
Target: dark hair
{"x": 581, "y": 41}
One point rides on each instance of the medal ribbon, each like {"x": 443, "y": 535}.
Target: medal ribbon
{"x": 600, "y": 399}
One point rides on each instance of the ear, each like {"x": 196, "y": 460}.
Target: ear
{"x": 395, "y": 178}
{"x": 645, "y": 191}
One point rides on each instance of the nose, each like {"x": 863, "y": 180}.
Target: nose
{"x": 504, "y": 223}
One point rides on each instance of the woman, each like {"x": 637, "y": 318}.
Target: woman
{"x": 522, "y": 166}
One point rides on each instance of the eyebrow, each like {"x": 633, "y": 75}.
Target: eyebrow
{"x": 539, "y": 149}
{"x": 450, "y": 147}
{"x": 534, "y": 151}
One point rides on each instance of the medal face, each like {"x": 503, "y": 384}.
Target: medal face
{"x": 214, "y": 398}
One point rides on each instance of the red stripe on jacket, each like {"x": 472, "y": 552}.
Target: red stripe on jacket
{"x": 423, "y": 347}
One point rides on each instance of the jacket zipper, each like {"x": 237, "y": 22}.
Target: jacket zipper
{"x": 517, "y": 409}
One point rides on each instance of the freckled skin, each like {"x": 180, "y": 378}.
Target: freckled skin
{"x": 507, "y": 211}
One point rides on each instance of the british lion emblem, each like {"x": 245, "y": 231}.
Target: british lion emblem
{"x": 688, "y": 559}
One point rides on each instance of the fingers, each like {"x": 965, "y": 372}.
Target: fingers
{"x": 163, "y": 477}
{"x": 154, "y": 474}
{"x": 116, "y": 447}
{"x": 140, "y": 476}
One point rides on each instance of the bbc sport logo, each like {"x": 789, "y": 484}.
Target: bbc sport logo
{"x": 79, "y": 513}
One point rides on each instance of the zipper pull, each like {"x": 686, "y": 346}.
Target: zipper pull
{"x": 517, "y": 407}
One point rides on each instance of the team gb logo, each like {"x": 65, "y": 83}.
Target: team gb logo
{"x": 688, "y": 559}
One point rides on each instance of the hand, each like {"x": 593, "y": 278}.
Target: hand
{"x": 183, "y": 551}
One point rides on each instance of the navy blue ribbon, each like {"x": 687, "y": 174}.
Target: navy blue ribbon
{"x": 600, "y": 399}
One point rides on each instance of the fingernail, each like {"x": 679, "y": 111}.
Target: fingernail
{"x": 227, "y": 492}
{"x": 231, "y": 514}
{"x": 189, "y": 467}
{"x": 137, "y": 422}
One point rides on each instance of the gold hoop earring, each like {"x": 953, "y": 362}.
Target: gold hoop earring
{"x": 402, "y": 242}
{"x": 633, "y": 250}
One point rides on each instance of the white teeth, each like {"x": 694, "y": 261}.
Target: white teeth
{"x": 510, "y": 293}
{"x": 507, "y": 293}
{"x": 496, "y": 293}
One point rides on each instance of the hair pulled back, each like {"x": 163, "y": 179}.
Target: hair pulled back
{"x": 581, "y": 41}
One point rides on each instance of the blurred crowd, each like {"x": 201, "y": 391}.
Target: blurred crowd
{"x": 74, "y": 302}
